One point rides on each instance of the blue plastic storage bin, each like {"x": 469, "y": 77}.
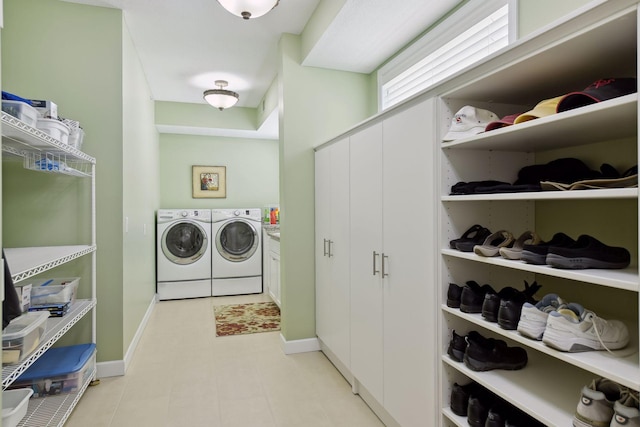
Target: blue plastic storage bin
{"x": 59, "y": 370}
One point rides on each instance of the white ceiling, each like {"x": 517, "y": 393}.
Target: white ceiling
{"x": 185, "y": 45}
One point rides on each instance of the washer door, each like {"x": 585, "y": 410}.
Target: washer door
{"x": 237, "y": 240}
{"x": 184, "y": 242}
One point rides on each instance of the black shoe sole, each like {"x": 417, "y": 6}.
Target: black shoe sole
{"x": 533, "y": 258}
{"x": 456, "y": 355}
{"x": 453, "y": 303}
{"x": 580, "y": 263}
{"x": 481, "y": 366}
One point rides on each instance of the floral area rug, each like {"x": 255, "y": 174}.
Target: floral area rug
{"x": 246, "y": 318}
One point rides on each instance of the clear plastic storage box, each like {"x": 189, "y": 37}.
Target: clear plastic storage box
{"x": 22, "y": 336}
{"x": 54, "y": 291}
{"x": 14, "y": 406}
{"x": 21, "y": 111}
{"x": 60, "y": 370}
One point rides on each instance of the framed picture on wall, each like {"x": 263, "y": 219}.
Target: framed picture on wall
{"x": 209, "y": 182}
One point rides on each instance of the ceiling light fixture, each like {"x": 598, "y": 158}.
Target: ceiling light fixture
{"x": 249, "y": 8}
{"x": 221, "y": 98}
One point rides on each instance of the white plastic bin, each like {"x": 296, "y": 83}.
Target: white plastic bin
{"x": 14, "y": 406}
{"x": 54, "y": 291}
{"x": 22, "y": 336}
{"x": 21, "y": 111}
{"x": 54, "y": 128}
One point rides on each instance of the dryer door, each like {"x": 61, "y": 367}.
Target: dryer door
{"x": 237, "y": 240}
{"x": 184, "y": 242}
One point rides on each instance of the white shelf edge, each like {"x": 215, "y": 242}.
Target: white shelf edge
{"x": 56, "y": 328}
{"x": 29, "y": 261}
{"x": 595, "y": 194}
{"x": 622, "y": 369}
{"x": 502, "y": 138}
{"x": 54, "y": 410}
{"x": 551, "y": 402}
{"x": 453, "y": 418}
{"x": 626, "y": 279}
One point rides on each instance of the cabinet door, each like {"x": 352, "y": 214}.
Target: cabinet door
{"x": 366, "y": 238}
{"x": 332, "y": 178}
{"x": 274, "y": 273}
{"x": 410, "y": 240}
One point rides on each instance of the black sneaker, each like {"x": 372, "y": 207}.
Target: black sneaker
{"x": 473, "y": 296}
{"x": 588, "y": 252}
{"x": 460, "y": 394}
{"x": 453, "y": 295}
{"x": 457, "y": 346}
{"x": 511, "y": 306}
{"x": 480, "y": 402}
{"x": 537, "y": 254}
{"x": 485, "y": 354}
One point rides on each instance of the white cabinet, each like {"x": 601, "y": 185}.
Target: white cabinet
{"x": 393, "y": 262}
{"x": 274, "y": 270}
{"x": 549, "y": 65}
{"x": 266, "y": 239}
{"x": 40, "y": 152}
{"x": 332, "y": 248}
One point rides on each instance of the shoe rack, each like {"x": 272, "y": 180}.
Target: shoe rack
{"x": 598, "y": 43}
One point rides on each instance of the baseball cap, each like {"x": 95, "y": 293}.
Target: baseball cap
{"x": 598, "y": 91}
{"x": 503, "y": 122}
{"x": 542, "y": 109}
{"x": 469, "y": 121}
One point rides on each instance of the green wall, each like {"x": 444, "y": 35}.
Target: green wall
{"x": 535, "y": 14}
{"x": 315, "y": 105}
{"x": 251, "y": 166}
{"x": 81, "y": 57}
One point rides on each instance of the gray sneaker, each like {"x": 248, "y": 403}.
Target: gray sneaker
{"x": 625, "y": 410}
{"x": 595, "y": 408}
{"x": 533, "y": 318}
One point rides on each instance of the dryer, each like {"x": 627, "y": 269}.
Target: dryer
{"x": 183, "y": 253}
{"x": 236, "y": 251}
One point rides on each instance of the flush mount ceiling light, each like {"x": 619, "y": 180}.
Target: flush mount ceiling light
{"x": 221, "y": 98}
{"x": 249, "y": 8}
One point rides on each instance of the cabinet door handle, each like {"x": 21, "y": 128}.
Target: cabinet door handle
{"x": 330, "y": 242}
{"x": 374, "y": 263}
{"x": 384, "y": 274}
{"x": 324, "y": 247}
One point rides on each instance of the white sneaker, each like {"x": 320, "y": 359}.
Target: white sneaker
{"x": 575, "y": 329}
{"x": 625, "y": 410}
{"x": 533, "y": 318}
{"x": 595, "y": 408}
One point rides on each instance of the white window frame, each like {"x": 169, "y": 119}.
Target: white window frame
{"x": 460, "y": 21}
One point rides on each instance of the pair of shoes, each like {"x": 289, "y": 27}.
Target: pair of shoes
{"x": 472, "y": 296}
{"x": 537, "y": 254}
{"x": 457, "y": 346}
{"x": 485, "y": 354}
{"x": 588, "y": 252}
{"x": 533, "y": 318}
{"x": 492, "y": 244}
{"x": 606, "y": 403}
{"x": 515, "y": 251}
{"x": 460, "y": 394}
{"x": 505, "y": 306}
{"x": 475, "y": 235}
{"x": 575, "y": 329}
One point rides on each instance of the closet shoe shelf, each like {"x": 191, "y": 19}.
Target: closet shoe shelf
{"x": 531, "y": 391}
{"x": 621, "y": 367}
{"x": 626, "y": 279}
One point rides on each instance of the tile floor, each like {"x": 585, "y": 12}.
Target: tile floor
{"x": 182, "y": 375}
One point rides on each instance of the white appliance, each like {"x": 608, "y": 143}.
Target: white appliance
{"x": 183, "y": 253}
{"x": 236, "y": 251}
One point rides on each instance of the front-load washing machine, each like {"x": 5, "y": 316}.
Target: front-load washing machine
{"x": 183, "y": 253}
{"x": 236, "y": 251}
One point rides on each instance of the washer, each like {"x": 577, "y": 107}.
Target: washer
{"x": 236, "y": 251}
{"x": 183, "y": 253}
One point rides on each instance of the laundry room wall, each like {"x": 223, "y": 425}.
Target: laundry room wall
{"x": 252, "y": 170}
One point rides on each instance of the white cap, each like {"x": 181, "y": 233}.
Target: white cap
{"x": 469, "y": 121}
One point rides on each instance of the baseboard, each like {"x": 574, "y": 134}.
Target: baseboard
{"x": 375, "y": 406}
{"x": 299, "y": 346}
{"x": 335, "y": 360}
{"x": 116, "y": 368}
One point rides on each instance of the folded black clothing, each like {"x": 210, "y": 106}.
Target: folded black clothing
{"x": 470, "y": 187}
{"x": 508, "y": 188}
